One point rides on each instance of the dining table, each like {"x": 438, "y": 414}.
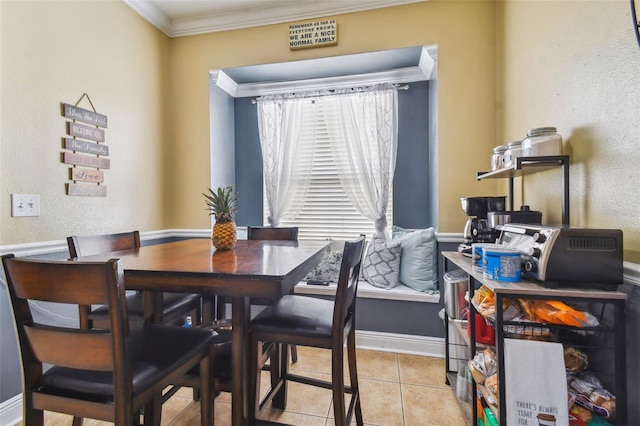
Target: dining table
{"x": 261, "y": 269}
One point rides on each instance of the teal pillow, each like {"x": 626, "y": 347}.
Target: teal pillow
{"x": 418, "y": 268}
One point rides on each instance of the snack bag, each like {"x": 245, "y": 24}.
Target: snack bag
{"x": 590, "y": 394}
{"x": 484, "y": 300}
{"x": 575, "y": 360}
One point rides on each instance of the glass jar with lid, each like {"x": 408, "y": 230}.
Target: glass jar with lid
{"x": 497, "y": 159}
{"x": 542, "y": 141}
{"x": 514, "y": 150}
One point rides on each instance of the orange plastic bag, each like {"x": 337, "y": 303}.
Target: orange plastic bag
{"x": 556, "y": 312}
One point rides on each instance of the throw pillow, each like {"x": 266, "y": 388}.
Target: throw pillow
{"x": 328, "y": 269}
{"x": 381, "y": 265}
{"x": 418, "y": 268}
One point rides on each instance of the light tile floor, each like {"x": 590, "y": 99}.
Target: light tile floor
{"x": 396, "y": 389}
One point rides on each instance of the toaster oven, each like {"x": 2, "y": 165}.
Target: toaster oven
{"x": 557, "y": 255}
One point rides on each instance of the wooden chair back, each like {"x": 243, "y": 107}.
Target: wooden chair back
{"x": 95, "y": 244}
{"x": 272, "y": 233}
{"x": 345, "y": 301}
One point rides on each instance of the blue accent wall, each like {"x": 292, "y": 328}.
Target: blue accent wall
{"x": 412, "y": 186}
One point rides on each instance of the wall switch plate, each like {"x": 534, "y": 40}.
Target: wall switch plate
{"x": 25, "y": 205}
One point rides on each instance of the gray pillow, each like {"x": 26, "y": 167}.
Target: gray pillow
{"x": 328, "y": 269}
{"x": 381, "y": 264}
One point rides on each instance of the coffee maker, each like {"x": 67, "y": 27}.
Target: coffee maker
{"x": 477, "y": 229}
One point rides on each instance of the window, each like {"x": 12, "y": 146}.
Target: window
{"x": 327, "y": 211}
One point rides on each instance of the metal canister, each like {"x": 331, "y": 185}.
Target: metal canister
{"x": 456, "y": 284}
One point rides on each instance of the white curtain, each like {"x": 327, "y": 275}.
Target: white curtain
{"x": 286, "y": 173}
{"x": 365, "y": 137}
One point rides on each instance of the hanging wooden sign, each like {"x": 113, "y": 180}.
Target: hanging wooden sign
{"x": 86, "y": 175}
{"x": 86, "y": 189}
{"x": 75, "y": 113}
{"x": 303, "y": 35}
{"x": 86, "y": 160}
{"x": 84, "y": 146}
{"x": 93, "y": 131}
{"x": 86, "y": 132}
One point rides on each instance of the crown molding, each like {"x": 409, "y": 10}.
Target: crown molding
{"x": 253, "y": 17}
{"x": 401, "y": 75}
{"x": 151, "y": 13}
{"x": 423, "y": 71}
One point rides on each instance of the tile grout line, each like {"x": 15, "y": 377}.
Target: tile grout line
{"x": 404, "y": 420}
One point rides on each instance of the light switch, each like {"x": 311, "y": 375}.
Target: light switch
{"x": 25, "y": 205}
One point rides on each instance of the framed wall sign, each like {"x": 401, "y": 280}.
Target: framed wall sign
{"x": 321, "y": 33}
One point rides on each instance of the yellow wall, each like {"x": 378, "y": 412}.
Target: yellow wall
{"x": 575, "y": 65}
{"x": 504, "y": 68}
{"x": 53, "y": 52}
{"x": 465, "y": 35}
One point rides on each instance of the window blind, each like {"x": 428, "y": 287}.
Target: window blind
{"x": 327, "y": 211}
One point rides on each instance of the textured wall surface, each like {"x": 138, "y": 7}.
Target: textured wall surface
{"x": 52, "y": 53}
{"x": 465, "y": 34}
{"x": 576, "y": 66}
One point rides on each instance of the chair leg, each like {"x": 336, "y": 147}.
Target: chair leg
{"x": 337, "y": 379}
{"x": 353, "y": 375}
{"x": 294, "y": 353}
{"x": 31, "y": 415}
{"x": 152, "y": 411}
{"x": 281, "y": 360}
{"x": 207, "y": 410}
{"x": 77, "y": 421}
{"x": 255, "y": 349}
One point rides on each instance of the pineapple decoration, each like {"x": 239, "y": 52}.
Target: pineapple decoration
{"x": 222, "y": 204}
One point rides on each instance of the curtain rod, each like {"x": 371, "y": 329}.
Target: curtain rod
{"x": 331, "y": 92}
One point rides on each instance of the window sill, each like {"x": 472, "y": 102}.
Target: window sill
{"x": 367, "y": 291}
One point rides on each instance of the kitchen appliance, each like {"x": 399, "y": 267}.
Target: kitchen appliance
{"x": 524, "y": 215}
{"x": 558, "y": 256}
{"x": 477, "y": 229}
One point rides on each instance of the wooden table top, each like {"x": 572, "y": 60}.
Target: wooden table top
{"x": 251, "y": 268}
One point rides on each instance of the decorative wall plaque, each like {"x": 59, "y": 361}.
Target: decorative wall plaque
{"x": 92, "y": 150}
{"x": 303, "y": 35}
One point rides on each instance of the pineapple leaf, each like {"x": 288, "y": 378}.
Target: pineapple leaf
{"x": 222, "y": 203}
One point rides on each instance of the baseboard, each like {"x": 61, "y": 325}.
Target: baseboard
{"x": 400, "y": 343}
{"x": 11, "y": 411}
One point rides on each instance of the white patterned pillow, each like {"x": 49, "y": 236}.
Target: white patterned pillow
{"x": 381, "y": 265}
{"x": 328, "y": 270}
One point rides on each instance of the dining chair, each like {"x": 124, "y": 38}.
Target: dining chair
{"x": 308, "y": 321}
{"x": 175, "y": 306}
{"x": 274, "y": 233}
{"x": 107, "y": 374}
{"x": 258, "y": 233}
{"x": 222, "y": 370}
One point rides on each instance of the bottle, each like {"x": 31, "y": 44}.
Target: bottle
{"x": 542, "y": 141}
{"x": 188, "y": 323}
